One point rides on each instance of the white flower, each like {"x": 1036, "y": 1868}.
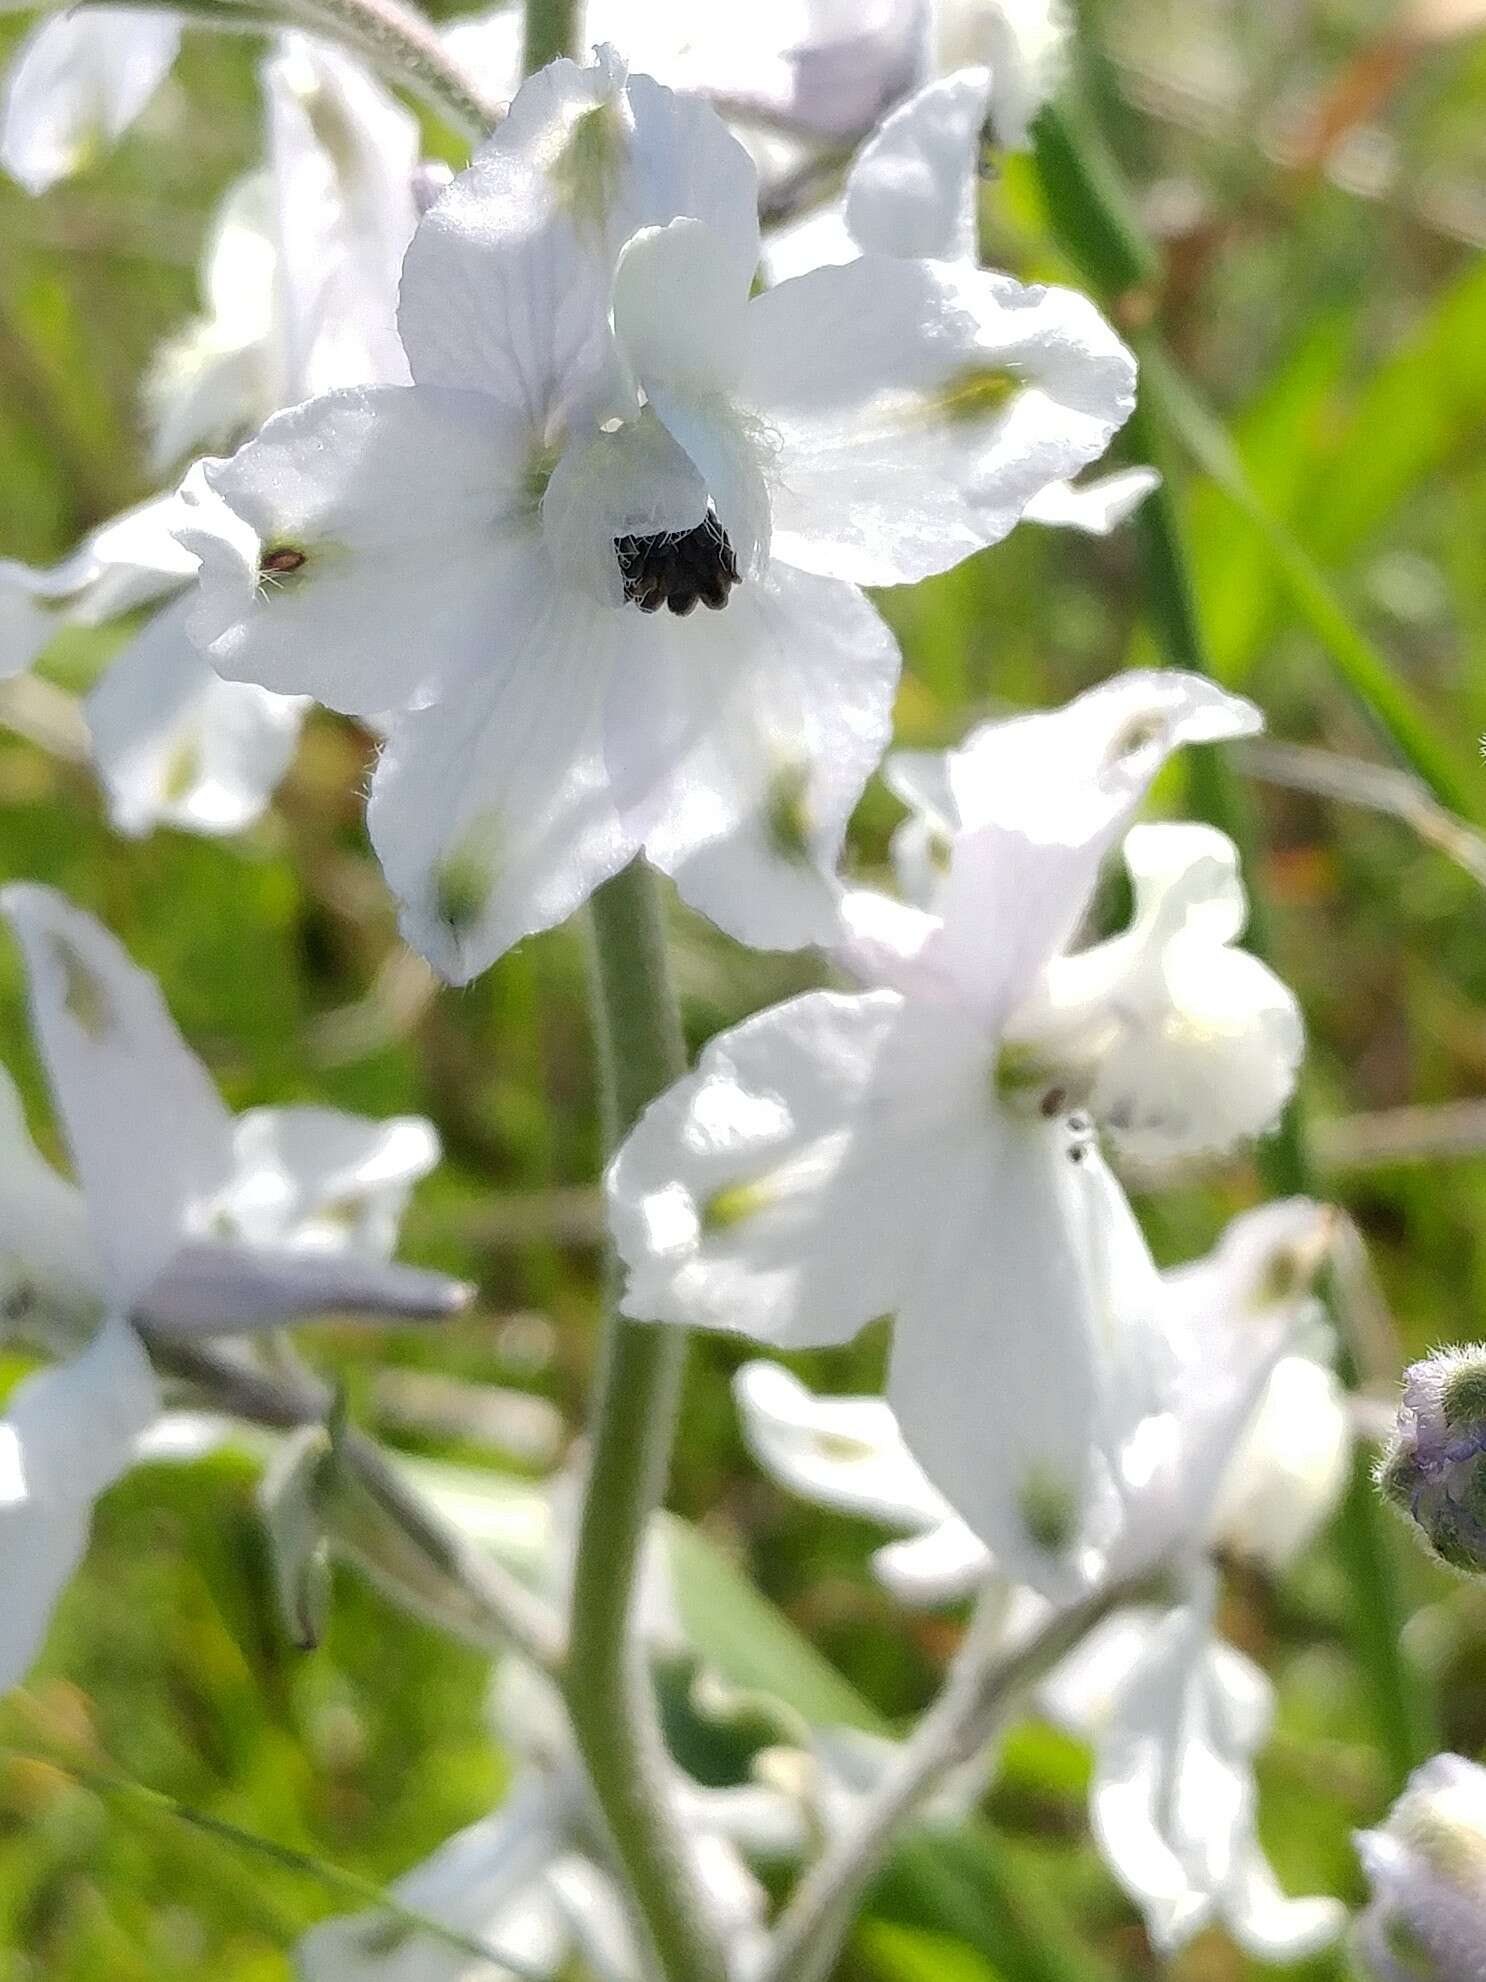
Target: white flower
{"x": 301, "y": 269}
{"x": 603, "y": 424}
{"x": 173, "y": 743}
{"x": 1024, "y": 43}
{"x": 908, "y": 1150}
{"x": 77, "y": 83}
{"x": 1176, "y": 1717}
{"x": 1284, "y": 1468}
{"x": 524, "y": 1882}
{"x": 913, "y": 190}
{"x": 1427, "y": 1868}
{"x": 179, "y": 1216}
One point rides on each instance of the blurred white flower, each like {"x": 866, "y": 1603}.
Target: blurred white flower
{"x": 914, "y": 1150}
{"x": 1427, "y": 1869}
{"x": 301, "y": 270}
{"x": 1176, "y": 1717}
{"x": 604, "y": 425}
{"x": 1024, "y": 43}
{"x": 76, "y": 84}
{"x": 300, "y": 280}
{"x": 179, "y": 1217}
{"x": 525, "y": 1882}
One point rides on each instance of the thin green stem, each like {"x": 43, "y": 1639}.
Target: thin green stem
{"x": 605, "y": 1681}
{"x": 551, "y": 30}
{"x": 1114, "y": 256}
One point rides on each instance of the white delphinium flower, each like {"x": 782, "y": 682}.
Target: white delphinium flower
{"x": 179, "y": 1217}
{"x": 604, "y": 425}
{"x": 300, "y": 280}
{"x": 919, "y": 1149}
{"x": 301, "y": 270}
{"x": 528, "y": 1882}
{"x": 1427, "y": 1869}
{"x": 77, "y": 82}
{"x": 913, "y": 190}
{"x": 173, "y": 743}
{"x": 1175, "y": 1715}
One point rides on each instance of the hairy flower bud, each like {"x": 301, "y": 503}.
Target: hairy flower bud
{"x": 1434, "y": 1470}
{"x": 1427, "y": 1866}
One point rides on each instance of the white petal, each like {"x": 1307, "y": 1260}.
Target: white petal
{"x": 488, "y": 1882}
{"x": 492, "y": 813}
{"x": 789, "y": 692}
{"x": 131, "y": 560}
{"x": 50, "y": 1282}
{"x": 223, "y": 371}
{"x": 595, "y": 1916}
{"x": 78, "y": 82}
{"x": 679, "y": 303}
{"x": 406, "y": 506}
{"x": 1036, "y": 1293}
{"x": 1083, "y": 1689}
{"x": 913, "y": 188}
{"x": 919, "y": 407}
{"x": 1096, "y": 507}
{"x": 820, "y": 239}
{"x": 1026, "y": 44}
{"x": 150, "y": 1139}
{"x": 1040, "y": 801}
{"x": 316, "y": 1176}
{"x": 506, "y": 286}
{"x": 25, "y": 625}
{"x": 176, "y": 745}
{"x": 940, "y": 1566}
{"x": 842, "y": 1452}
{"x": 342, "y": 154}
{"x": 1173, "y": 1797}
{"x": 69, "y": 1433}
{"x": 784, "y": 1189}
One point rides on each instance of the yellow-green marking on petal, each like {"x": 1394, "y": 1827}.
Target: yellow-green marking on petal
{"x": 585, "y": 173}
{"x": 84, "y": 997}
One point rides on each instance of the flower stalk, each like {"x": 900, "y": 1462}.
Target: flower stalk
{"x": 638, "y": 1389}
{"x": 984, "y": 1684}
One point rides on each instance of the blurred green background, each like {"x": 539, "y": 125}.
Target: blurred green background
{"x": 1316, "y": 176}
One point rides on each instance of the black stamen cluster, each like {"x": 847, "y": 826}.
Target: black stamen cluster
{"x": 678, "y": 569}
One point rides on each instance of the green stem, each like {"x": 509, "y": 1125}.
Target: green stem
{"x": 551, "y": 30}
{"x": 605, "y": 1681}
{"x": 1115, "y": 256}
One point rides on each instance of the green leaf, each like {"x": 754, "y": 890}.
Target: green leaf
{"x": 907, "y": 1954}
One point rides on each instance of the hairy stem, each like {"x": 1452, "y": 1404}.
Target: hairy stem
{"x": 551, "y": 30}
{"x": 984, "y": 1684}
{"x": 606, "y": 1683}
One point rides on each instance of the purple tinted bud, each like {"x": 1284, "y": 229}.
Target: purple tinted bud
{"x": 1434, "y": 1471}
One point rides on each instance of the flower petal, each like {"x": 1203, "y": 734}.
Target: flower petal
{"x": 842, "y": 1452}
{"x": 1098, "y": 506}
{"x": 506, "y": 285}
{"x": 150, "y": 1138}
{"x": 78, "y": 82}
{"x": 408, "y": 512}
{"x": 942, "y": 1565}
{"x": 492, "y": 813}
{"x": 68, "y": 1434}
{"x": 318, "y": 1177}
{"x": 176, "y": 745}
{"x": 1173, "y": 1796}
{"x": 784, "y": 1189}
{"x": 788, "y": 695}
{"x": 913, "y": 188}
{"x": 1036, "y": 1285}
{"x": 920, "y": 407}
{"x": 50, "y": 1283}
{"x": 487, "y": 1881}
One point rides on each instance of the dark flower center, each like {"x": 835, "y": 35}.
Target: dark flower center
{"x": 678, "y": 568}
